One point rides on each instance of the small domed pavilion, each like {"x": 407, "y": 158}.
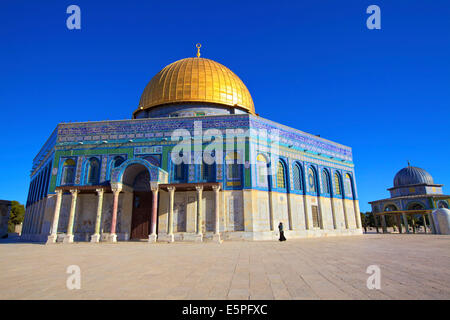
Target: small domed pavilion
{"x": 415, "y": 194}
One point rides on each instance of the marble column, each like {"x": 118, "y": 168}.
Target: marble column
{"x": 216, "y": 236}
{"x": 170, "y": 237}
{"x": 433, "y": 227}
{"x": 405, "y": 222}
{"x": 69, "y": 235}
{"x": 199, "y": 211}
{"x": 98, "y": 220}
{"x": 383, "y": 223}
{"x": 399, "y": 223}
{"x": 54, "y": 232}
{"x": 424, "y": 223}
{"x": 154, "y": 214}
{"x": 112, "y": 234}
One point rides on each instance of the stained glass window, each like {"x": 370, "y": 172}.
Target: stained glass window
{"x": 208, "y": 172}
{"x": 325, "y": 181}
{"x": 281, "y": 176}
{"x": 298, "y": 177}
{"x": 337, "y": 184}
{"x": 233, "y": 166}
{"x": 68, "y": 172}
{"x": 118, "y": 161}
{"x": 261, "y": 167}
{"x": 93, "y": 171}
{"x": 312, "y": 180}
{"x": 348, "y": 185}
{"x": 180, "y": 172}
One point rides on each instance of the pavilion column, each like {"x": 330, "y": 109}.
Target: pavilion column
{"x": 383, "y": 223}
{"x": 54, "y": 232}
{"x": 98, "y": 220}
{"x": 153, "y": 218}
{"x": 170, "y": 237}
{"x": 73, "y": 206}
{"x": 405, "y": 222}
{"x": 199, "y": 211}
{"x": 112, "y": 234}
{"x": 424, "y": 223}
{"x": 399, "y": 223}
{"x": 375, "y": 218}
{"x": 216, "y": 236}
{"x": 433, "y": 227}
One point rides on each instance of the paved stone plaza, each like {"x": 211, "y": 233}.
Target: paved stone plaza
{"x": 412, "y": 267}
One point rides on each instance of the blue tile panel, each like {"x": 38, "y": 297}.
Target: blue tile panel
{"x": 134, "y": 139}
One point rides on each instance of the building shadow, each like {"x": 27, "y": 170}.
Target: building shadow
{"x": 11, "y": 239}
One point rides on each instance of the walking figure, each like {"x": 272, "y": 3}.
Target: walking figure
{"x": 280, "y": 228}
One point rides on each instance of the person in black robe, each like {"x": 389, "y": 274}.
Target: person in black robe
{"x": 281, "y": 229}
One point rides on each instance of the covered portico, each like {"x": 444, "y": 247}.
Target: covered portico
{"x": 200, "y": 228}
{"x": 143, "y": 181}
{"x": 132, "y": 175}
{"x": 400, "y": 216}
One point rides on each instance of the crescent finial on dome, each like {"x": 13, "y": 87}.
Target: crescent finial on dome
{"x": 198, "y": 45}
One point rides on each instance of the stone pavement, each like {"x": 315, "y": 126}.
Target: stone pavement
{"x": 412, "y": 267}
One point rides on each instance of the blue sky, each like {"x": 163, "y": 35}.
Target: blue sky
{"x": 310, "y": 65}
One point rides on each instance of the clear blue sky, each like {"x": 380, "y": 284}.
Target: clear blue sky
{"x": 312, "y": 65}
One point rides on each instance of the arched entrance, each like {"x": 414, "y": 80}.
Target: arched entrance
{"x": 137, "y": 177}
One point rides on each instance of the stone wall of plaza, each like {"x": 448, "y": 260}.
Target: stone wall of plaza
{"x": 249, "y": 208}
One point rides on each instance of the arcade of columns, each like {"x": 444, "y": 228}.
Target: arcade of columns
{"x": 112, "y": 237}
{"x": 404, "y": 219}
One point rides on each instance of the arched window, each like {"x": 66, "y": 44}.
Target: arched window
{"x": 208, "y": 172}
{"x": 326, "y": 181}
{"x": 337, "y": 184}
{"x": 442, "y": 204}
{"x": 68, "y": 172}
{"x": 117, "y": 161}
{"x": 153, "y": 159}
{"x": 416, "y": 206}
{"x": 180, "y": 172}
{"x": 261, "y": 168}
{"x": 390, "y": 207}
{"x": 312, "y": 180}
{"x": 93, "y": 171}
{"x": 298, "y": 177}
{"x": 349, "y": 186}
{"x": 233, "y": 166}
{"x": 281, "y": 175}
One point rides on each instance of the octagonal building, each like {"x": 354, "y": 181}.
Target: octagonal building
{"x": 123, "y": 180}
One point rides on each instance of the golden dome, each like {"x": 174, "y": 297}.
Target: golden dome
{"x": 196, "y": 80}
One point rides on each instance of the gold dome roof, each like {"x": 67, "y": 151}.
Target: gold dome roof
{"x": 196, "y": 80}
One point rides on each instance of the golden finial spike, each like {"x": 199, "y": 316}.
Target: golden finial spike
{"x": 409, "y": 164}
{"x": 198, "y": 45}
